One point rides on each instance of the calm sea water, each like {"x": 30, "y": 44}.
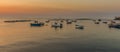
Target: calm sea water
{"x": 21, "y": 37}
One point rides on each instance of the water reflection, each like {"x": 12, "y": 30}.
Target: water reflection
{"x": 21, "y": 37}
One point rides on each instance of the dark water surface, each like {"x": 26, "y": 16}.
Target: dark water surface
{"x": 21, "y": 37}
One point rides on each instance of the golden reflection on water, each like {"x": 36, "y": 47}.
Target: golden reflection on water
{"x": 11, "y": 32}
{"x": 25, "y": 36}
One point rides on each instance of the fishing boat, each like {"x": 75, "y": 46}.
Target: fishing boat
{"x": 69, "y": 21}
{"x": 117, "y": 18}
{"x": 79, "y": 27}
{"x": 97, "y": 22}
{"x": 116, "y": 25}
{"x": 61, "y": 21}
{"x": 36, "y": 23}
{"x": 57, "y": 25}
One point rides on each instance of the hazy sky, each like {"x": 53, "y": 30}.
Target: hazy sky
{"x": 60, "y": 7}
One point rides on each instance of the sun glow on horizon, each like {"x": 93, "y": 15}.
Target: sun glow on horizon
{"x": 58, "y": 6}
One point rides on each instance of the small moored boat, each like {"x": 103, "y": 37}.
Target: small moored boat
{"x": 97, "y": 22}
{"x": 47, "y": 21}
{"x": 79, "y": 27}
{"x": 114, "y": 25}
{"x": 69, "y": 21}
{"x": 36, "y": 23}
{"x": 57, "y": 25}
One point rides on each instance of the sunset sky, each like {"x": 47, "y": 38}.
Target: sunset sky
{"x": 60, "y": 7}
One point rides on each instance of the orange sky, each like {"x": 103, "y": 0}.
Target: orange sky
{"x": 58, "y": 6}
